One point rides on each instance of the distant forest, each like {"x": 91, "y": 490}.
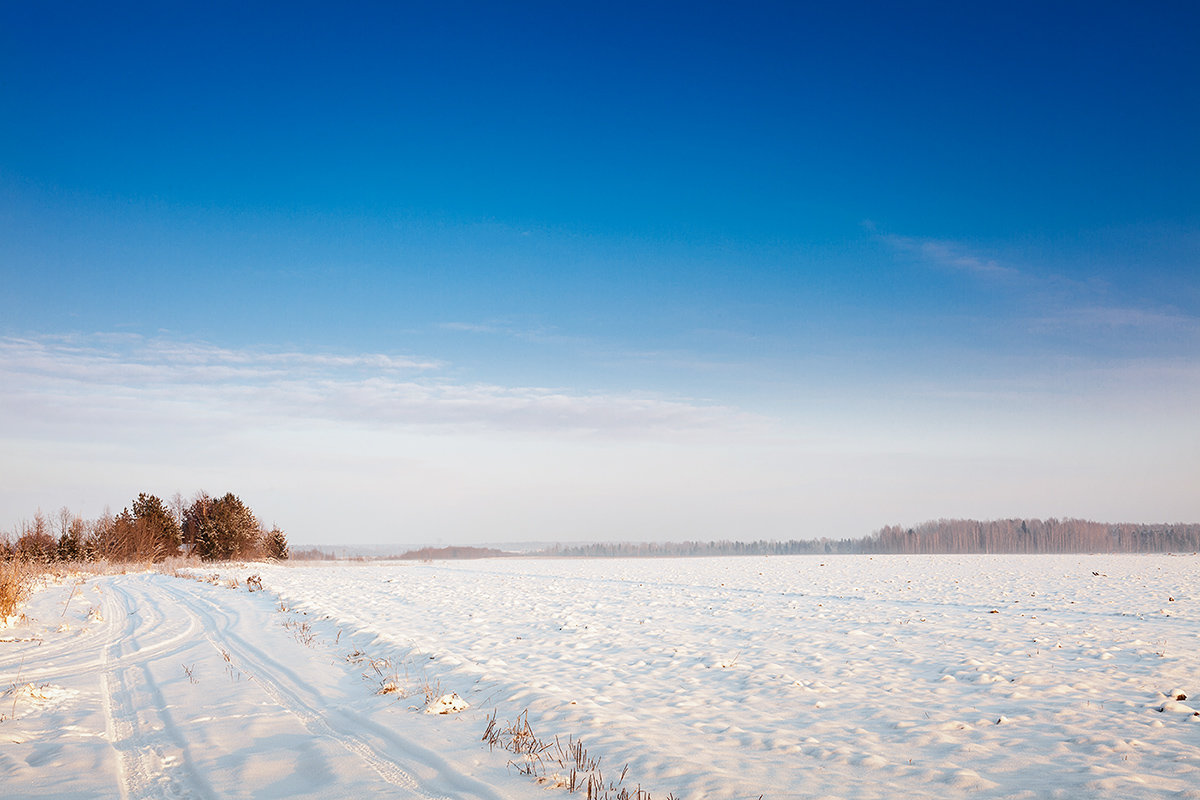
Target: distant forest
{"x": 940, "y": 536}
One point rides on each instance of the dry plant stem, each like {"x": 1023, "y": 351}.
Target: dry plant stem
{"x": 546, "y": 761}
{"x": 70, "y": 597}
{"x": 17, "y": 683}
{"x": 234, "y": 673}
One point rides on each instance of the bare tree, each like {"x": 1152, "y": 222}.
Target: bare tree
{"x": 177, "y": 507}
{"x": 35, "y": 542}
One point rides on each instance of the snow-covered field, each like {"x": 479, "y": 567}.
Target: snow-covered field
{"x": 788, "y": 677}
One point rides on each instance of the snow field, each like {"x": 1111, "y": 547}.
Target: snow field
{"x": 790, "y": 677}
{"x": 852, "y": 676}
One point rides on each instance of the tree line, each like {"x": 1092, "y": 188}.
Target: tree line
{"x": 723, "y": 547}
{"x": 1034, "y": 536}
{"x": 938, "y": 536}
{"x": 212, "y": 528}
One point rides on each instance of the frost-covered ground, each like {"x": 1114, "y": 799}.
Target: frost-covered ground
{"x": 790, "y": 677}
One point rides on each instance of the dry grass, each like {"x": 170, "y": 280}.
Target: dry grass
{"x": 553, "y": 764}
{"x": 16, "y": 580}
{"x": 19, "y": 577}
{"x": 231, "y": 669}
{"x": 301, "y": 630}
{"x": 401, "y": 682}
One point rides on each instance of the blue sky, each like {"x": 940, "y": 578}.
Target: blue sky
{"x": 468, "y": 272}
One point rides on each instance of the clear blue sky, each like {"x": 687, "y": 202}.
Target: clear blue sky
{"x": 479, "y": 272}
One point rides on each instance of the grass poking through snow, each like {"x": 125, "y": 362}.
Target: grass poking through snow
{"x": 558, "y": 765}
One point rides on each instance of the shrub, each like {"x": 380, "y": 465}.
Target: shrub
{"x": 15, "y": 579}
{"x": 225, "y": 528}
{"x": 275, "y": 544}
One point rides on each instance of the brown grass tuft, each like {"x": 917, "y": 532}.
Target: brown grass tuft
{"x": 16, "y": 579}
{"x": 555, "y": 764}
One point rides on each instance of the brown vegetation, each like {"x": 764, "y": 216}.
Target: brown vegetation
{"x": 149, "y": 531}
{"x": 15, "y": 580}
{"x": 555, "y": 764}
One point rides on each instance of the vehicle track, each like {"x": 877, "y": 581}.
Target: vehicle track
{"x": 179, "y": 689}
{"x": 153, "y": 760}
{"x": 417, "y": 771}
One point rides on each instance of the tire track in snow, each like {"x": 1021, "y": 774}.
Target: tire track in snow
{"x": 152, "y": 756}
{"x": 291, "y": 692}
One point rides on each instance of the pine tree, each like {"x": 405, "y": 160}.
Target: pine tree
{"x": 275, "y": 544}
{"x": 157, "y": 533}
{"x": 225, "y": 528}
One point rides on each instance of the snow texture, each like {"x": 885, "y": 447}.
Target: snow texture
{"x": 790, "y": 677}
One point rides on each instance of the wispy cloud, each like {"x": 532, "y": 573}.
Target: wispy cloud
{"x": 1115, "y": 318}
{"x": 470, "y": 327}
{"x": 117, "y": 358}
{"x": 1056, "y": 303}
{"x": 534, "y": 333}
{"x": 51, "y": 380}
{"x": 953, "y": 255}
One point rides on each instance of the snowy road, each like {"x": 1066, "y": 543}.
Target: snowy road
{"x": 149, "y": 686}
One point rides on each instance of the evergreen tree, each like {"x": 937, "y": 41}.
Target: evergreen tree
{"x": 275, "y": 544}
{"x": 70, "y": 545}
{"x": 158, "y": 534}
{"x": 225, "y": 529}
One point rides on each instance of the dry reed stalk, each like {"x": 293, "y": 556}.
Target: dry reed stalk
{"x": 546, "y": 762}
{"x": 70, "y": 597}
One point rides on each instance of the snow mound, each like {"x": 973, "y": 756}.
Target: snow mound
{"x": 38, "y": 697}
{"x": 1177, "y": 707}
{"x": 1173, "y": 701}
{"x": 447, "y": 704}
{"x": 970, "y": 780}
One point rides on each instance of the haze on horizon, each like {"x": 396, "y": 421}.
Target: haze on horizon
{"x": 556, "y": 272}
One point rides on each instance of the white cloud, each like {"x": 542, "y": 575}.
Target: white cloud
{"x": 54, "y": 380}
{"x": 950, "y": 254}
{"x": 470, "y": 327}
{"x": 508, "y": 328}
{"x": 382, "y": 442}
{"x": 1059, "y": 304}
{"x": 375, "y": 447}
